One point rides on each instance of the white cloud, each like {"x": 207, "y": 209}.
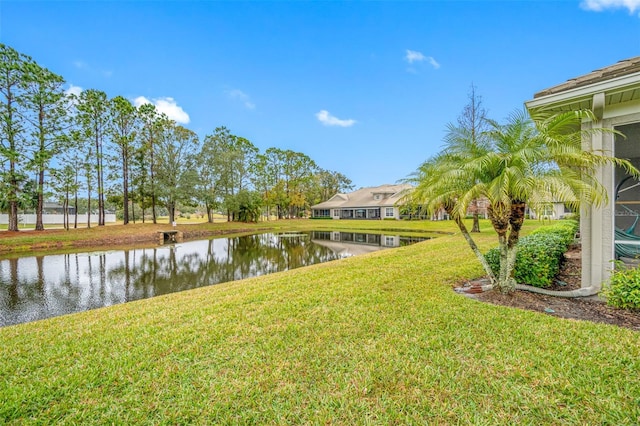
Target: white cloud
{"x": 600, "y": 5}
{"x": 167, "y": 106}
{"x": 415, "y": 56}
{"x": 80, "y": 64}
{"x": 329, "y": 120}
{"x": 73, "y": 90}
{"x": 239, "y": 95}
{"x": 141, "y": 100}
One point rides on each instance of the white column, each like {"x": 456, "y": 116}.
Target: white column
{"x": 596, "y": 260}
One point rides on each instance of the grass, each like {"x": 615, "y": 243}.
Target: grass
{"x": 373, "y": 339}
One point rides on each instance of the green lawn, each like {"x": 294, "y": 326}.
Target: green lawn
{"x": 374, "y": 339}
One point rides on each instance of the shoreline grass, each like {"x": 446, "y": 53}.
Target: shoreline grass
{"x": 373, "y": 339}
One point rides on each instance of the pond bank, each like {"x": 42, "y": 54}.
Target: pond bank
{"x": 141, "y": 235}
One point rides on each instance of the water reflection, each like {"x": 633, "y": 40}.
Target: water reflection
{"x": 33, "y": 288}
{"x": 348, "y": 244}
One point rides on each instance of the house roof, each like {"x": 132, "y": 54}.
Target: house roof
{"x": 51, "y": 205}
{"x": 619, "y": 83}
{"x": 619, "y": 69}
{"x": 390, "y": 194}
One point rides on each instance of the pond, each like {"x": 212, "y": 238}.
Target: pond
{"x": 38, "y": 287}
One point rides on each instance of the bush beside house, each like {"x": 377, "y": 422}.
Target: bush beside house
{"x": 540, "y": 254}
{"x": 623, "y": 290}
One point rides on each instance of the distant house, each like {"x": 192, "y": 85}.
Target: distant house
{"x": 49, "y": 207}
{"x": 379, "y": 202}
{"x": 551, "y": 210}
{"x": 479, "y": 206}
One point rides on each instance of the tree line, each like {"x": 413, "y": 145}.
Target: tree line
{"x": 88, "y": 149}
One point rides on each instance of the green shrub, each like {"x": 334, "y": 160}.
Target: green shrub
{"x": 539, "y": 255}
{"x": 321, "y": 217}
{"x": 566, "y": 229}
{"x": 623, "y": 290}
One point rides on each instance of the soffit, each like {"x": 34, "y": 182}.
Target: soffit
{"x": 619, "y": 82}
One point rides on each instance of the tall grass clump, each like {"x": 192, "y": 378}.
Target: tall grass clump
{"x": 540, "y": 254}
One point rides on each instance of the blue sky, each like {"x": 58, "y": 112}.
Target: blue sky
{"x": 365, "y": 88}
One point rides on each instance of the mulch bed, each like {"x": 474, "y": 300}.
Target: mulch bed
{"x": 583, "y": 308}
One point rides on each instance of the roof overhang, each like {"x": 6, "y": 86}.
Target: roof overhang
{"x": 594, "y": 96}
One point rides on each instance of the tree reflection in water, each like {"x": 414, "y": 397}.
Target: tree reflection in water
{"x": 33, "y": 288}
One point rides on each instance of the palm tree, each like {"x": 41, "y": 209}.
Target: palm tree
{"x": 527, "y": 161}
{"x": 434, "y": 190}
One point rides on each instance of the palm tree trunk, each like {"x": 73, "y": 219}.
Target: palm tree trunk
{"x": 502, "y": 283}
{"x": 516, "y": 219}
{"x": 478, "y": 253}
{"x": 501, "y": 220}
{"x": 472, "y": 244}
{"x": 509, "y": 244}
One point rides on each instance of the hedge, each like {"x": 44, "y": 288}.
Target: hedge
{"x": 539, "y": 255}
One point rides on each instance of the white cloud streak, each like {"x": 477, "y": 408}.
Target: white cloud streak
{"x": 329, "y": 120}
{"x": 167, "y": 106}
{"x": 599, "y": 5}
{"x": 412, "y": 56}
{"x": 240, "y": 96}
